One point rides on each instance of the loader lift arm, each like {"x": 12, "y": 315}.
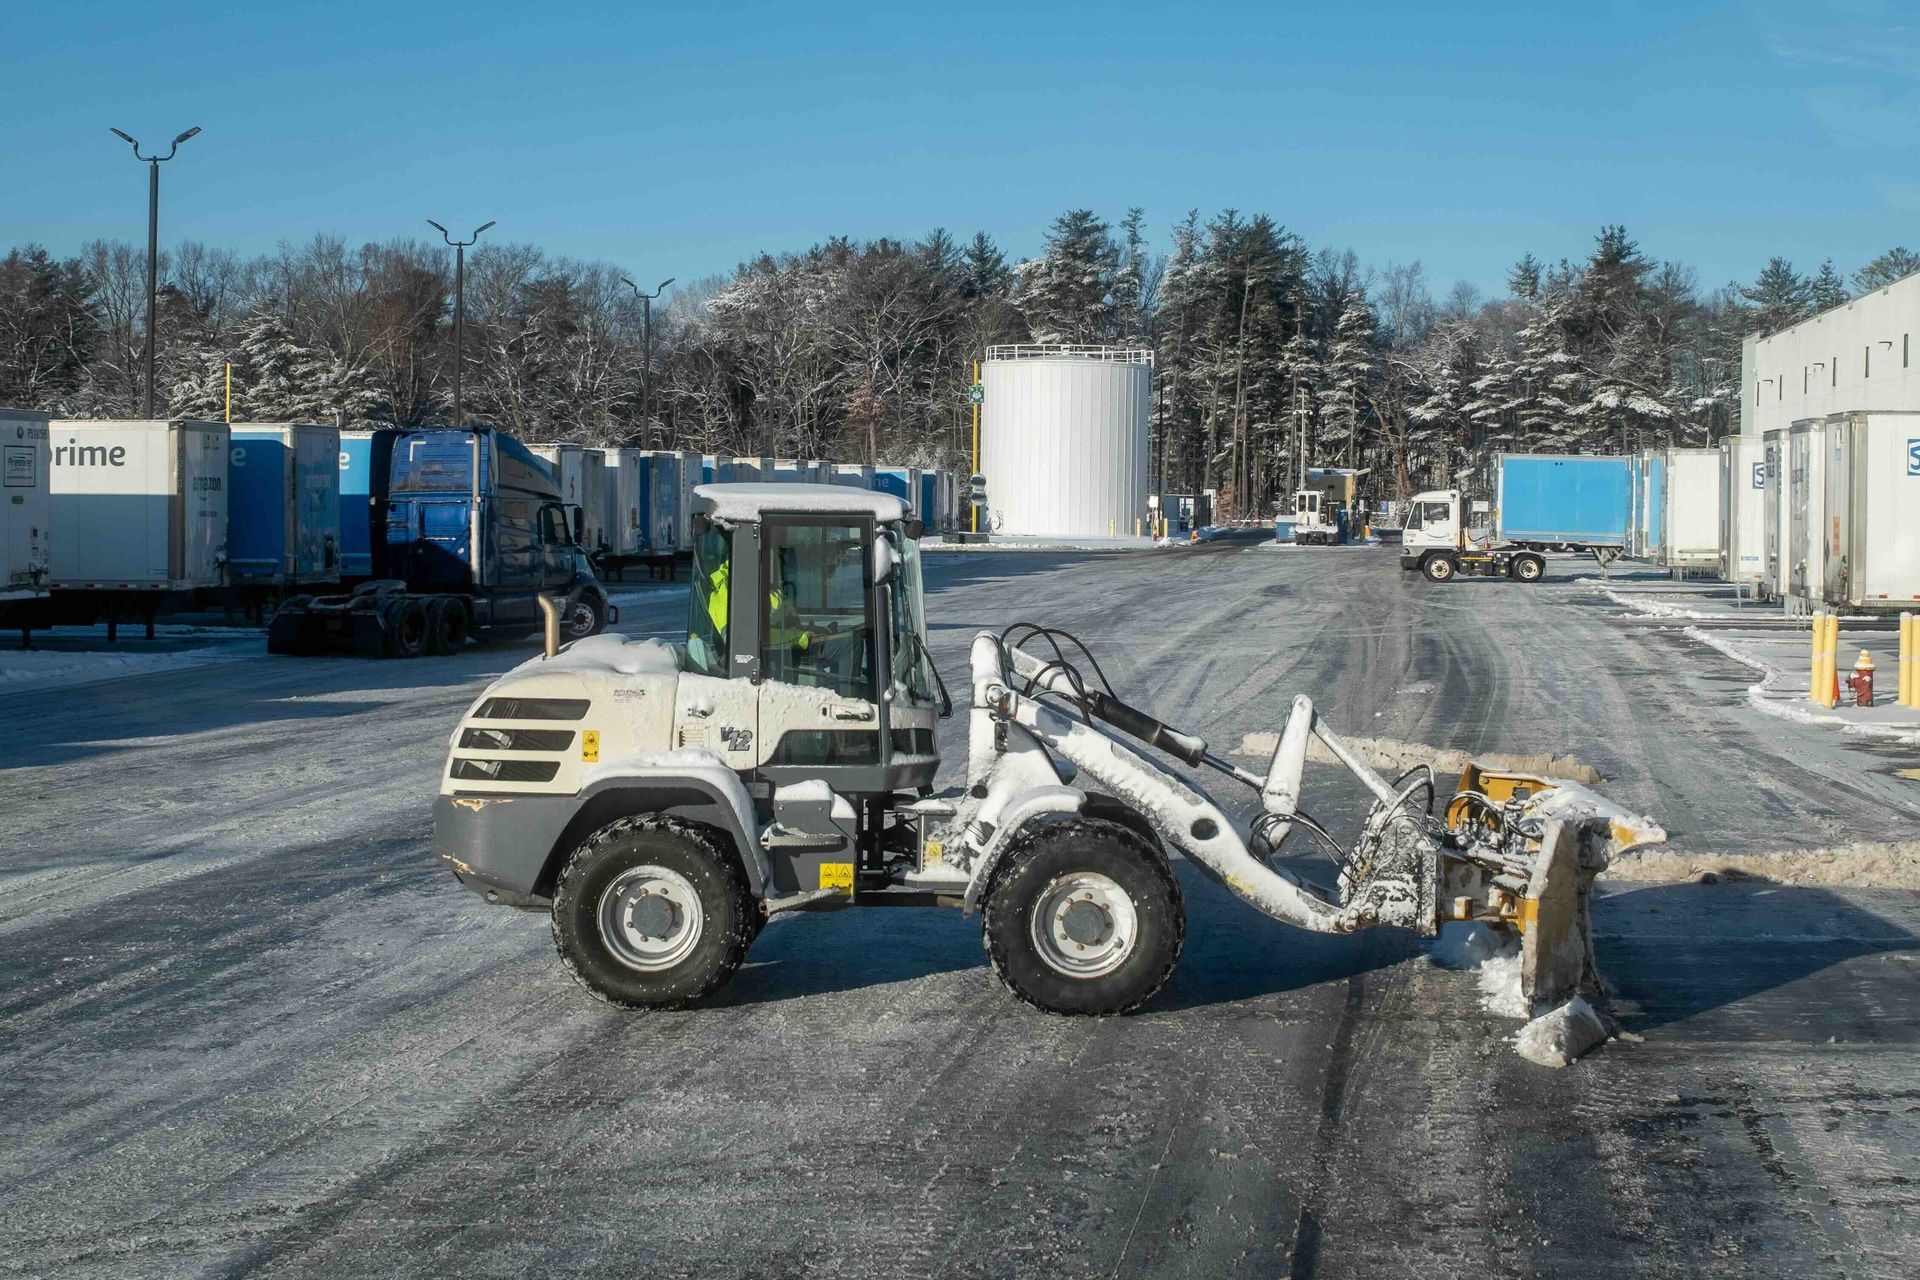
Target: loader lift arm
{"x": 1525, "y": 862}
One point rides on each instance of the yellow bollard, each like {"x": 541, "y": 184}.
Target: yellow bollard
{"x": 1136, "y": 526}
{"x": 1814, "y": 639}
{"x": 1829, "y": 662}
{"x": 1909, "y": 687}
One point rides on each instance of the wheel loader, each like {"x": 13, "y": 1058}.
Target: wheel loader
{"x": 663, "y": 802}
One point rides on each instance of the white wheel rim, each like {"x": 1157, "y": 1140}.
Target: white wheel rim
{"x": 650, "y": 918}
{"x": 1084, "y": 925}
{"x": 580, "y": 618}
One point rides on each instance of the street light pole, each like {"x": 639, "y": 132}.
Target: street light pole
{"x": 646, "y": 340}
{"x": 153, "y": 164}
{"x": 459, "y": 310}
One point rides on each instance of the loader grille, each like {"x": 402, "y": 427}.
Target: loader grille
{"x": 532, "y": 709}
{"x": 504, "y": 770}
{"x": 517, "y": 739}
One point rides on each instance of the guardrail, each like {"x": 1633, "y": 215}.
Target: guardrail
{"x": 1045, "y": 351}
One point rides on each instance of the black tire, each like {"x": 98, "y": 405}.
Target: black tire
{"x": 690, "y": 869}
{"x": 406, "y": 620}
{"x": 1526, "y": 568}
{"x": 586, "y": 616}
{"x": 448, "y": 625}
{"x": 1048, "y": 863}
{"x": 1439, "y": 568}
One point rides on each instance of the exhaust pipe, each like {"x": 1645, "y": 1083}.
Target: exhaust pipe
{"x": 551, "y": 613}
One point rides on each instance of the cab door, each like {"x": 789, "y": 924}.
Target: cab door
{"x": 817, "y": 635}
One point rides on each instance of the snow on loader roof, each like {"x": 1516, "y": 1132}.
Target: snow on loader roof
{"x": 745, "y": 503}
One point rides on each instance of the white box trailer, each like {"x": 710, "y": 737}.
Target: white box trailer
{"x": 858, "y": 475}
{"x": 139, "y": 506}
{"x": 1690, "y": 525}
{"x": 1872, "y": 523}
{"x": 688, "y": 478}
{"x": 26, "y": 507}
{"x": 1806, "y": 499}
{"x": 1743, "y": 492}
{"x": 626, "y": 487}
{"x": 1773, "y": 449}
{"x": 581, "y": 473}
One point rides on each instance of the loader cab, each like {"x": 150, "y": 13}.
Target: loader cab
{"x": 812, "y": 594}
{"x": 1433, "y": 520}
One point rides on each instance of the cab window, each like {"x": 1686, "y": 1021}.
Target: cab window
{"x": 814, "y": 625}
{"x": 708, "y": 601}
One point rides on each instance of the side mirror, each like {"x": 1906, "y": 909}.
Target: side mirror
{"x": 886, "y": 562}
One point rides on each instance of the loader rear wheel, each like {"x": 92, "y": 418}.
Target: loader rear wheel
{"x": 1440, "y": 568}
{"x": 649, "y": 913}
{"x": 1084, "y": 917}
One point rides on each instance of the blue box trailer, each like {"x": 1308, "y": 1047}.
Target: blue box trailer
{"x": 363, "y": 455}
{"x": 929, "y": 503}
{"x": 1563, "y": 499}
{"x": 902, "y": 482}
{"x": 283, "y": 505}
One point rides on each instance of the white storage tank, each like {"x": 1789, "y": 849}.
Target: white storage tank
{"x": 1063, "y": 440}
{"x": 26, "y": 506}
{"x": 139, "y": 505}
{"x": 1872, "y": 522}
{"x": 1743, "y": 491}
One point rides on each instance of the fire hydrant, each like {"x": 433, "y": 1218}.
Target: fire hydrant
{"x": 1861, "y": 681}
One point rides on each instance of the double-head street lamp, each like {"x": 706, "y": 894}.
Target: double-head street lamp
{"x": 459, "y": 307}
{"x": 646, "y": 340}
{"x": 153, "y": 164}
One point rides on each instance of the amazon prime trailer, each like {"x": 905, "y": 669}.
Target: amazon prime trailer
{"x": 26, "y": 516}
{"x": 283, "y": 507}
{"x": 139, "y": 516}
{"x": 1872, "y": 511}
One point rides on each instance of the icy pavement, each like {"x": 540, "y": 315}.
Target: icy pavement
{"x": 80, "y": 655}
{"x": 249, "y": 1024}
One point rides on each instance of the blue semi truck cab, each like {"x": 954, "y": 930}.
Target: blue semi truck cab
{"x": 459, "y": 533}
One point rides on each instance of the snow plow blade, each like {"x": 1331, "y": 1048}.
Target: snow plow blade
{"x": 1572, "y": 834}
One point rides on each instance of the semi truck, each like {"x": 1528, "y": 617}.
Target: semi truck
{"x": 468, "y": 531}
{"x": 26, "y": 515}
{"x": 1578, "y": 501}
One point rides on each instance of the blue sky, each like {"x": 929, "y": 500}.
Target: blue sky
{"x": 678, "y": 139}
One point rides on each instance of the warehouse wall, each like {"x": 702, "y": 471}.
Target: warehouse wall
{"x": 1863, "y": 355}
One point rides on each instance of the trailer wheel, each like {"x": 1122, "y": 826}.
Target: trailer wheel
{"x": 650, "y": 913}
{"x": 406, "y": 620}
{"x": 447, "y": 625}
{"x": 1084, "y": 918}
{"x": 1526, "y": 568}
{"x": 585, "y": 617}
{"x": 1439, "y": 568}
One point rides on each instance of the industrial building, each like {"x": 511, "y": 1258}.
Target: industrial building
{"x": 1063, "y": 440}
{"x": 1858, "y": 356}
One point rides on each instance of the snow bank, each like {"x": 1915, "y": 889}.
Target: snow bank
{"x": 1557, "y": 1037}
{"x": 29, "y": 668}
{"x": 1894, "y": 865}
{"x": 1779, "y": 695}
{"x": 1392, "y": 756}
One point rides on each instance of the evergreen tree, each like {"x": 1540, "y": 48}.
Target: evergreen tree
{"x": 1894, "y": 264}
{"x": 1780, "y": 296}
{"x": 1344, "y": 381}
{"x": 1827, "y": 290}
{"x": 1066, "y": 294}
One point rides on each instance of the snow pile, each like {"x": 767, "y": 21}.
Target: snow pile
{"x": 1779, "y": 695}
{"x": 1647, "y": 606}
{"x": 1557, "y": 1037}
{"x": 29, "y": 668}
{"x": 1391, "y": 756}
{"x": 1894, "y": 865}
{"x": 1492, "y": 956}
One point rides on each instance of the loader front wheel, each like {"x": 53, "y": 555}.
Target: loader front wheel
{"x": 1084, "y": 917}
{"x": 652, "y": 914}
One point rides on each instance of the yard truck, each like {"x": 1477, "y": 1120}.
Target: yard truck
{"x": 663, "y": 802}
{"x": 1574, "y": 502}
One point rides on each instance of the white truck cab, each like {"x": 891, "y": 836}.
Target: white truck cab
{"x": 1437, "y": 542}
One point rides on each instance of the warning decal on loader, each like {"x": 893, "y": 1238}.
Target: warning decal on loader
{"x": 836, "y": 875}
{"x": 590, "y": 745}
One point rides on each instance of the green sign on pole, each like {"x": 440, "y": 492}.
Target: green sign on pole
{"x": 976, "y": 394}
